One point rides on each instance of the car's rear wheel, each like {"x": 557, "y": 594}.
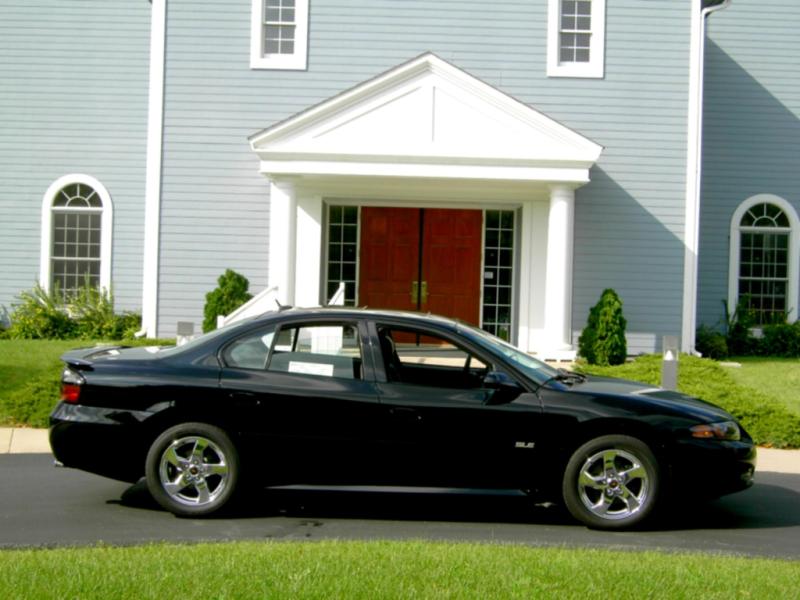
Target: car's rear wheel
{"x": 612, "y": 482}
{"x": 192, "y": 469}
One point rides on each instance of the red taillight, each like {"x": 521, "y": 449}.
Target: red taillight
{"x": 70, "y": 393}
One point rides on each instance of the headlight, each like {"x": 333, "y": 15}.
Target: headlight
{"x": 726, "y": 430}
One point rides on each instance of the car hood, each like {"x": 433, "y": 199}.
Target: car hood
{"x": 639, "y": 392}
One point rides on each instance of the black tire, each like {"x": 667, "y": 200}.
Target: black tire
{"x": 612, "y": 482}
{"x": 193, "y": 469}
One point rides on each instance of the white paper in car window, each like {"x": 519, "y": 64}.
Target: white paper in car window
{"x": 310, "y": 368}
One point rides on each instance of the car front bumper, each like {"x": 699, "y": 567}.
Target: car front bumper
{"x": 713, "y": 468}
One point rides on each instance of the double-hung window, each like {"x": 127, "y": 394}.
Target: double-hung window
{"x": 764, "y": 242}
{"x": 279, "y": 34}
{"x": 576, "y": 38}
{"x": 76, "y": 235}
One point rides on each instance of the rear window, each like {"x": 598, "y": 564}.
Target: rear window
{"x": 325, "y": 350}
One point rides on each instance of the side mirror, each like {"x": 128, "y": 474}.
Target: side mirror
{"x": 505, "y": 388}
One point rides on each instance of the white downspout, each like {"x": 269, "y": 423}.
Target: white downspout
{"x": 155, "y": 141}
{"x": 694, "y": 157}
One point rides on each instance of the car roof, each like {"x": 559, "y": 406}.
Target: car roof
{"x": 357, "y": 313}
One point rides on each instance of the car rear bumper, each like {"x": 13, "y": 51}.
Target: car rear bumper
{"x": 714, "y": 468}
{"x": 108, "y": 442}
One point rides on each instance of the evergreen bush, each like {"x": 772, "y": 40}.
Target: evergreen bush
{"x": 230, "y": 294}
{"x": 602, "y": 341}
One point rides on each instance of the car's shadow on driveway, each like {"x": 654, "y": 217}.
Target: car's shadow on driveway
{"x": 765, "y": 505}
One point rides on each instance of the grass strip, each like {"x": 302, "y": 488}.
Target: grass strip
{"x": 383, "y": 569}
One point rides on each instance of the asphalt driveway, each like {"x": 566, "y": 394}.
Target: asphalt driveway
{"x": 44, "y": 506}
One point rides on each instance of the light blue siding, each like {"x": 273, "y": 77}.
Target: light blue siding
{"x": 73, "y": 99}
{"x": 752, "y": 129}
{"x": 629, "y": 220}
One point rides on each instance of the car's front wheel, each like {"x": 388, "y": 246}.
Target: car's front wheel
{"x": 192, "y": 469}
{"x": 612, "y": 482}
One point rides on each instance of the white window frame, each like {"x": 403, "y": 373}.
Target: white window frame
{"x": 106, "y": 221}
{"x": 296, "y": 61}
{"x": 595, "y": 68}
{"x": 794, "y": 247}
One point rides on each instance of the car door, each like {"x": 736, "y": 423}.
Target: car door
{"x": 306, "y": 400}
{"x": 444, "y": 426}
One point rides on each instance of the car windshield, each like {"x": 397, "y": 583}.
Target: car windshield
{"x": 537, "y": 370}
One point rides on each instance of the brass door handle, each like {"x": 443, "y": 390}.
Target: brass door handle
{"x": 416, "y": 290}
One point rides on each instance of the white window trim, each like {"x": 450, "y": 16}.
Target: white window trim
{"x": 106, "y": 220}
{"x": 595, "y": 68}
{"x": 794, "y": 247}
{"x": 296, "y": 61}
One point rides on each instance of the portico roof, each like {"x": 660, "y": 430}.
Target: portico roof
{"x": 426, "y": 118}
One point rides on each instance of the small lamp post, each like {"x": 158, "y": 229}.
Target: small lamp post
{"x": 669, "y": 364}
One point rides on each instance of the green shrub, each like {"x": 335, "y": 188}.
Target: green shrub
{"x": 781, "y": 340}
{"x": 41, "y": 315}
{"x": 602, "y": 341}
{"x": 127, "y": 325}
{"x": 88, "y": 314}
{"x": 229, "y": 295}
{"x": 738, "y": 328}
{"x": 711, "y": 343}
{"x": 93, "y": 311}
{"x": 768, "y": 421}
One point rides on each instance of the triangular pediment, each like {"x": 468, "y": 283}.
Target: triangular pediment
{"x": 426, "y": 110}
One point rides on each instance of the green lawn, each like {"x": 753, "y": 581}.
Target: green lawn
{"x": 776, "y": 377}
{"x": 382, "y": 569}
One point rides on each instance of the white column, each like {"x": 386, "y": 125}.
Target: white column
{"x": 527, "y": 290}
{"x": 309, "y": 251}
{"x": 282, "y": 235}
{"x": 558, "y": 287}
{"x": 153, "y": 167}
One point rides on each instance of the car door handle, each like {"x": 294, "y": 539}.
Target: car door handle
{"x": 407, "y": 414}
{"x": 245, "y": 398}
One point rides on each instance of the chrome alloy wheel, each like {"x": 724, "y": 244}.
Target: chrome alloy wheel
{"x": 193, "y": 471}
{"x": 613, "y": 484}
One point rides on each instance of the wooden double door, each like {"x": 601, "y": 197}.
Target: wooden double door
{"x": 422, "y": 259}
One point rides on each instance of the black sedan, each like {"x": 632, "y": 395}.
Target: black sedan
{"x": 364, "y": 397}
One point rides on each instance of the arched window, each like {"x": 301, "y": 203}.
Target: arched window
{"x": 76, "y": 234}
{"x": 764, "y": 246}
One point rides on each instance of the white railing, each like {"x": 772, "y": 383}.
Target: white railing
{"x": 260, "y": 303}
{"x": 266, "y": 301}
{"x": 338, "y": 298}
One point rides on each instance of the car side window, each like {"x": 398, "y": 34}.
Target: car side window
{"x": 417, "y": 357}
{"x": 250, "y": 351}
{"x": 325, "y": 350}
